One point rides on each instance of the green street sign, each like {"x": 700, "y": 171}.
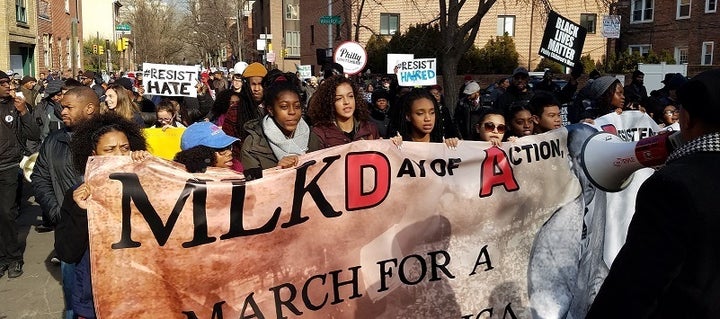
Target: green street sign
{"x": 122, "y": 27}
{"x": 330, "y": 20}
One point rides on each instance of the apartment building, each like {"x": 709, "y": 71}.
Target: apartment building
{"x": 277, "y": 24}
{"x": 59, "y": 36}
{"x": 688, "y": 29}
{"x": 18, "y": 31}
{"x": 524, "y": 22}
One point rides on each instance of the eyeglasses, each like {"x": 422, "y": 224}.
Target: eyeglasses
{"x": 490, "y": 127}
{"x": 167, "y": 119}
{"x": 672, "y": 112}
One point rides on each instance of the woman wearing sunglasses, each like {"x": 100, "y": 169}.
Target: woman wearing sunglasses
{"x": 420, "y": 109}
{"x": 205, "y": 145}
{"x": 491, "y": 127}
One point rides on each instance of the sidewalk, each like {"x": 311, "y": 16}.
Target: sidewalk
{"x": 38, "y": 292}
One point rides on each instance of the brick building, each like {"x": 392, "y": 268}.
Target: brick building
{"x": 282, "y": 20}
{"x": 18, "y": 29}
{"x": 59, "y": 36}
{"x": 688, "y": 29}
{"x": 524, "y": 22}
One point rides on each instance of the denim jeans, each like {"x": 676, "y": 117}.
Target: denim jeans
{"x": 68, "y": 282}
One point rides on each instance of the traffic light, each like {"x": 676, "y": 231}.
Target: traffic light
{"x": 101, "y": 50}
{"x": 125, "y": 43}
{"x": 119, "y": 45}
{"x": 95, "y": 49}
{"x": 284, "y": 53}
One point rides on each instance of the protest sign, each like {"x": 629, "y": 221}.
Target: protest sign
{"x": 394, "y": 58}
{"x": 352, "y": 57}
{"x": 611, "y": 26}
{"x": 305, "y": 71}
{"x": 563, "y": 40}
{"x": 417, "y": 72}
{"x": 170, "y": 80}
{"x": 164, "y": 143}
{"x": 363, "y": 230}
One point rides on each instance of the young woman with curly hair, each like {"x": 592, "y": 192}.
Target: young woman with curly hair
{"x": 119, "y": 100}
{"x": 339, "y": 114}
{"x": 104, "y": 135}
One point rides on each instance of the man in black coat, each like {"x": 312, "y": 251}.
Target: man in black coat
{"x": 17, "y": 126}
{"x": 669, "y": 266}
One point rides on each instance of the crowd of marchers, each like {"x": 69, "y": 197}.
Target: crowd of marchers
{"x": 256, "y": 119}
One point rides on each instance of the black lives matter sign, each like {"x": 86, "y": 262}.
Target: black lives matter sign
{"x": 563, "y": 40}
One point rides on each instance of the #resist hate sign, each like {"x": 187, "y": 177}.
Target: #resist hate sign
{"x": 563, "y": 40}
{"x": 170, "y": 80}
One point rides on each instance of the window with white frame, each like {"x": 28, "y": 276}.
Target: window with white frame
{"x": 642, "y": 10}
{"x": 707, "y": 53}
{"x": 681, "y": 55}
{"x": 292, "y": 43}
{"x": 389, "y": 23}
{"x": 47, "y": 50}
{"x": 68, "y": 59}
{"x": 588, "y": 20}
{"x": 683, "y": 9}
{"x": 641, "y": 49}
{"x": 710, "y": 6}
{"x": 505, "y": 24}
{"x": 292, "y": 10}
{"x": 44, "y": 9}
{"x": 20, "y": 11}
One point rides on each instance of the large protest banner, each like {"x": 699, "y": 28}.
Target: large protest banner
{"x": 364, "y": 230}
{"x": 563, "y": 40}
{"x": 170, "y": 80}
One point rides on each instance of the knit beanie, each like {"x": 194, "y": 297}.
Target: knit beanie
{"x": 254, "y": 69}
{"x": 600, "y": 85}
{"x": 4, "y": 75}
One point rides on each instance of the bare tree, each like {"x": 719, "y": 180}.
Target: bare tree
{"x": 156, "y": 31}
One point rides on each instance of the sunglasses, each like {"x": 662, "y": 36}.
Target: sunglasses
{"x": 490, "y": 126}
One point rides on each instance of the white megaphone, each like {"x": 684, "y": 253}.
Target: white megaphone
{"x": 609, "y": 162}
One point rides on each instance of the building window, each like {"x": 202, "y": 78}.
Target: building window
{"x": 312, "y": 34}
{"x": 681, "y": 55}
{"x": 710, "y": 6}
{"x": 292, "y": 43}
{"x": 506, "y": 24}
{"x": 683, "y": 9}
{"x": 67, "y": 6}
{"x": 20, "y": 11}
{"x": 587, "y": 20}
{"x": 642, "y": 10}
{"x": 44, "y": 9}
{"x": 292, "y": 10}
{"x": 47, "y": 51}
{"x": 389, "y": 23}
{"x": 707, "y": 53}
{"x": 641, "y": 49}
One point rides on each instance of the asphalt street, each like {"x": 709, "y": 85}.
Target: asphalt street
{"x": 38, "y": 292}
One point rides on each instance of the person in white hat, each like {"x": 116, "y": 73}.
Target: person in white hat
{"x": 466, "y": 108}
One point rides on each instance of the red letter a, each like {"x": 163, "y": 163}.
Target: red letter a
{"x": 496, "y": 170}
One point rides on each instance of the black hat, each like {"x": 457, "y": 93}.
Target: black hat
{"x": 379, "y": 94}
{"x": 53, "y": 87}
{"x": 330, "y": 69}
{"x": 676, "y": 81}
{"x": 4, "y": 75}
{"x": 701, "y": 96}
{"x": 667, "y": 78}
{"x": 27, "y": 79}
{"x": 124, "y": 82}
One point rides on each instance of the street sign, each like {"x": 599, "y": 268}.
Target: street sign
{"x": 330, "y": 20}
{"x": 271, "y": 57}
{"x": 266, "y": 36}
{"x": 260, "y": 45}
{"x": 121, "y": 33}
{"x": 123, "y": 27}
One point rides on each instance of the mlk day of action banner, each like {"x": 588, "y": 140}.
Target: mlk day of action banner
{"x": 364, "y": 230}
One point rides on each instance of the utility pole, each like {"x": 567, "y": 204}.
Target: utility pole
{"x": 330, "y": 25}
{"x": 240, "y": 14}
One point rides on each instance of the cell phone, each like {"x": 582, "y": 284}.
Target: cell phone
{"x": 19, "y": 94}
